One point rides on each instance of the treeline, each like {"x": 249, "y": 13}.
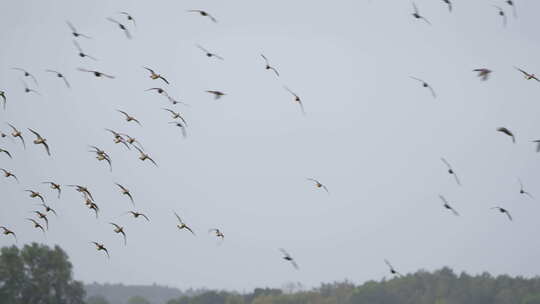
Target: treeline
{"x": 120, "y": 293}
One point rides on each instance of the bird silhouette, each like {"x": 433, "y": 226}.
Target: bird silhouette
{"x": 125, "y": 192}
{"x": 288, "y": 257}
{"x": 137, "y": 214}
{"x": 483, "y": 73}
{"x": 101, "y": 247}
{"x": 96, "y": 73}
{"x": 17, "y": 134}
{"x": 9, "y": 174}
{"x": 129, "y": 117}
{"x": 154, "y": 75}
{"x": 297, "y": 100}
{"x": 129, "y": 17}
{"x": 143, "y": 156}
{"x": 121, "y": 26}
{"x": 502, "y": 210}
{"x": 416, "y": 14}
{"x": 120, "y": 229}
{"x": 27, "y": 74}
{"x": 451, "y": 170}
{"x": 6, "y": 152}
{"x": 54, "y": 186}
{"x": 447, "y": 205}
{"x": 41, "y": 141}
{"x": 208, "y": 53}
{"x": 36, "y": 224}
{"x": 204, "y": 14}
{"x": 81, "y": 53}
{"x": 392, "y": 269}
{"x": 527, "y": 75}
{"x": 218, "y": 233}
{"x": 4, "y": 99}
{"x": 217, "y": 94}
{"x": 34, "y": 194}
{"x": 318, "y": 184}
{"x": 268, "y": 66}
{"x": 6, "y": 231}
{"x": 181, "y": 225}
{"x": 522, "y": 189}
{"x": 507, "y": 132}
{"x": 502, "y": 14}
{"x": 426, "y": 85}
{"x": 60, "y": 75}
{"x": 76, "y": 33}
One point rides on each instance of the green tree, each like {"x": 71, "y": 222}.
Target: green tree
{"x": 37, "y": 274}
{"x": 138, "y": 300}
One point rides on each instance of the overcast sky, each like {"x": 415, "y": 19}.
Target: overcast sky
{"x": 371, "y": 134}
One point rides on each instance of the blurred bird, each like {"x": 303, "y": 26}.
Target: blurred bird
{"x": 143, "y": 156}
{"x": 502, "y": 210}
{"x": 132, "y": 140}
{"x": 425, "y": 85}
{"x": 118, "y": 138}
{"x": 5, "y": 152}
{"x": 126, "y": 192}
{"x": 537, "y": 145}
{"x": 318, "y": 184}
{"x": 96, "y": 73}
{"x": 17, "y": 134}
{"x": 34, "y": 194}
{"x": 43, "y": 216}
{"x": 447, "y": 205}
{"x": 60, "y": 75}
{"x": 93, "y": 206}
{"x": 27, "y": 74}
{"x": 41, "y": 141}
{"x": 208, "y": 53}
{"x": 27, "y": 89}
{"x": 507, "y": 132}
{"x": 288, "y": 257}
{"x": 6, "y": 231}
{"x": 82, "y": 54}
{"x": 4, "y": 99}
{"x": 48, "y": 208}
{"x": 204, "y": 14}
{"x": 155, "y": 76}
{"x": 392, "y": 269}
{"x": 176, "y": 115}
{"x": 101, "y": 247}
{"x": 502, "y": 14}
{"x": 522, "y": 190}
{"x": 83, "y": 190}
{"x": 129, "y": 117}
{"x": 513, "y": 5}
{"x": 183, "y": 225}
{"x": 54, "y": 186}
{"x": 121, "y": 26}
{"x": 528, "y": 76}
{"x": 451, "y": 170}
{"x": 181, "y": 126}
{"x": 217, "y": 94}
{"x": 218, "y": 233}
{"x": 268, "y": 66}
{"x": 120, "y": 229}
{"x": 74, "y": 31}
{"x": 8, "y": 174}
{"x": 449, "y": 4}
{"x": 297, "y": 100}
{"x": 129, "y": 17}
{"x": 36, "y": 224}
{"x": 137, "y": 214}
{"x": 416, "y": 14}
{"x": 102, "y": 156}
{"x": 483, "y": 73}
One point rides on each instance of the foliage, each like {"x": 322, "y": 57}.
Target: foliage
{"x": 138, "y": 300}
{"x": 98, "y": 299}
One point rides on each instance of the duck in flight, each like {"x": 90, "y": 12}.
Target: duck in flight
{"x": 4, "y": 100}
{"x": 48, "y": 209}
{"x": 288, "y": 257}
{"x": 318, "y": 184}
{"x": 102, "y": 156}
{"x": 129, "y": 117}
{"x": 502, "y": 14}
{"x": 451, "y": 170}
{"x": 43, "y": 216}
{"x": 507, "y": 132}
{"x": 204, "y": 14}
{"x": 137, "y": 214}
{"x": 297, "y": 100}
{"x": 125, "y": 192}
{"x": 154, "y": 75}
{"x": 36, "y": 224}
{"x": 143, "y": 156}
{"x": 8, "y": 174}
{"x": 522, "y": 189}
{"x": 447, "y": 205}
{"x": 217, "y": 94}
{"x": 81, "y": 53}
{"x": 6, "y": 152}
{"x": 96, "y": 73}
{"x": 120, "y": 229}
{"x": 416, "y": 14}
{"x": 502, "y": 210}
{"x": 27, "y": 89}
{"x": 268, "y": 66}
{"x": 27, "y": 74}
{"x": 527, "y": 75}
{"x": 84, "y": 190}
{"x": 208, "y": 53}
{"x": 392, "y": 269}
{"x": 181, "y": 225}
{"x": 218, "y": 233}
{"x": 17, "y": 134}
{"x": 6, "y": 231}
{"x": 34, "y": 194}
{"x": 101, "y": 247}
{"x": 426, "y": 85}
{"x": 41, "y": 141}
{"x": 129, "y": 17}
{"x": 54, "y": 186}
{"x": 60, "y": 75}
{"x": 121, "y": 26}
{"x": 76, "y": 33}
{"x": 483, "y": 73}
{"x": 176, "y": 115}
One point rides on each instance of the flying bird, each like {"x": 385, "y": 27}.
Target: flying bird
{"x": 204, "y": 14}
{"x": 7, "y": 231}
{"x": 416, "y": 14}
{"x": 27, "y": 74}
{"x": 129, "y": 117}
{"x": 502, "y": 210}
{"x": 522, "y": 189}
{"x": 93, "y": 206}
{"x": 176, "y": 115}
{"x": 8, "y": 174}
{"x": 118, "y": 138}
{"x": 54, "y": 186}
{"x": 121, "y": 26}
{"x": 41, "y": 141}
{"x": 218, "y": 233}
{"x": 288, "y": 257}
{"x": 4, "y": 99}
{"x": 27, "y": 89}
{"x": 449, "y": 4}
{"x": 507, "y": 132}
{"x": 297, "y": 100}
{"x": 132, "y": 141}
{"x": 82, "y": 54}
{"x": 101, "y": 247}
{"x": 154, "y": 75}
{"x": 34, "y": 194}
{"x": 60, "y": 75}
{"x": 217, "y": 94}
{"x": 74, "y": 31}
{"x": 537, "y": 145}
{"x": 102, "y": 156}
{"x": 181, "y": 126}
{"x": 501, "y": 13}
{"x": 137, "y": 214}
{"x": 43, "y": 216}
{"x": 120, "y": 229}
{"x": 268, "y": 66}
{"x": 451, "y": 170}
{"x": 126, "y": 192}
{"x": 36, "y": 224}
{"x": 425, "y": 85}
{"x": 483, "y": 73}
{"x": 17, "y": 134}
{"x": 129, "y": 17}
{"x": 5, "y": 152}
{"x": 48, "y": 208}
{"x": 318, "y": 184}
{"x": 96, "y": 73}
{"x": 513, "y": 5}
{"x": 83, "y": 190}
{"x": 182, "y": 225}
{"x": 208, "y": 53}
{"x": 392, "y": 269}
{"x": 143, "y": 156}
{"x": 527, "y": 75}
{"x": 447, "y": 205}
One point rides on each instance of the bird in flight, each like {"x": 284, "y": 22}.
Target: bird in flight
{"x": 48, "y": 208}
{"x": 102, "y": 156}
{"x": 17, "y": 134}
{"x": 75, "y": 33}
{"x": 5, "y": 152}
{"x": 182, "y": 225}
{"x": 507, "y": 132}
{"x": 82, "y": 54}
{"x": 60, "y": 75}
{"x": 392, "y": 269}
{"x": 41, "y": 141}
{"x": 4, "y": 99}
{"x": 483, "y": 73}
{"x": 36, "y": 224}
{"x": 447, "y": 205}
{"x": 129, "y": 17}
{"x": 54, "y": 186}
{"x": 9, "y": 174}
{"x": 288, "y": 257}
{"x": 120, "y": 229}
{"x": 83, "y": 190}
{"x": 181, "y": 126}
{"x": 27, "y": 74}
{"x": 218, "y": 233}
{"x": 208, "y": 53}
{"x": 416, "y": 14}
{"x": 129, "y": 117}
{"x": 118, "y": 138}
{"x": 318, "y": 184}
{"x": 126, "y": 192}
{"x": 143, "y": 156}
{"x": 426, "y": 85}
{"x": 537, "y": 145}
{"x": 137, "y": 214}
{"x": 297, "y": 100}
{"x": 522, "y": 189}
{"x": 502, "y": 210}
{"x": 527, "y": 75}
{"x": 449, "y": 4}
{"x": 34, "y": 194}
{"x": 101, "y": 247}
{"x": 501, "y": 13}
{"x": 96, "y": 73}
{"x": 27, "y": 89}
{"x": 217, "y": 94}
{"x": 268, "y": 66}
{"x": 43, "y": 216}
{"x": 121, "y": 26}
{"x": 93, "y": 206}
{"x": 451, "y": 170}
{"x": 176, "y": 115}
{"x": 204, "y": 14}
{"x": 132, "y": 140}
{"x": 154, "y": 75}
{"x": 513, "y": 5}
{"x": 7, "y": 231}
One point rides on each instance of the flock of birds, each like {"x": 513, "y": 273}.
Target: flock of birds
{"x": 42, "y": 217}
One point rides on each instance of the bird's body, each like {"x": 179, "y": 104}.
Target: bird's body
{"x": 204, "y": 14}
{"x": 60, "y": 75}
{"x": 35, "y": 194}
{"x": 483, "y": 73}
{"x": 209, "y": 54}
{"x": 218, "y": 233}
{"x": 217, "y": 94}
{"x": 6, "y": 231}
{"x": 297, "y": 99}
{"x": 75, "y": 33}
{"x": 129, "y": 118}
{"x": 318, "y": 184}
{"x": 288, "y": 257}
{"x": 154, "y": 75}
{"x": 81, "y": 53}
{"x": 96, "y": 73}
{"x": 8, "y": 174}
{"x": 137, "y": 214}
{"x": 143, "y": 156}
{"x": 101, "y": 247}
{"x": 17, "y": 134}
{"x": 268, "y": 66}
{"x": 416, "y": 14}
{"x": 502, "y": 210}
{"x": 41, "y": 141}
{"x": 181, "y": 225}
{"x": 120, "y": 229}
{"x": 125, "y": 192}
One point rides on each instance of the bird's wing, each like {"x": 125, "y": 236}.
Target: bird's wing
{"x": 112, "y": 20}
{"x": 47, "y": 148}
{"x": 457, "y": 179}
{"x": 443, "y": 199}
{"x": 388, "y": 263}
{"x": 446, "y": 162}
{"x": 178, "y": 217}
{"x": 73, "y": 29}
{"x": 35, "y": 133}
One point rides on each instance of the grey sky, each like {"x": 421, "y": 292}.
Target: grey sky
{"x": 371, "y": 134}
